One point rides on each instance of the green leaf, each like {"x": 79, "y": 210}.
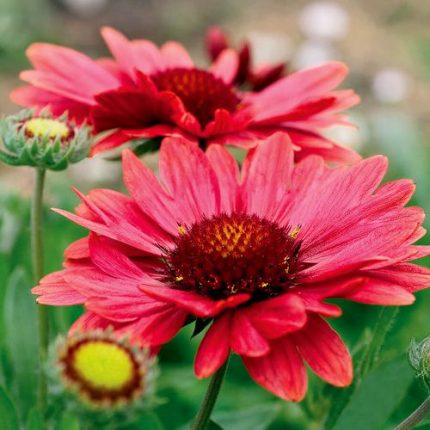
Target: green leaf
{"x": 147, "y": 421}
{"x": 212, "y": 425}
{"x": 20, "y": 322}
{"x": 141, "y": 147}
{"x": 258, "y": 417}
{"x": 35, "y": 420}
{"x": 69, "y": 422}
{"x": 376, "y": 398}
{"x": 8, "y": 417}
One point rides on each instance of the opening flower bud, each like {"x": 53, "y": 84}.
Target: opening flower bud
{"x": 103, "y": 369}
{"x": 42, "y": 141}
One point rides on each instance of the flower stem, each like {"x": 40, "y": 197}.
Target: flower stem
{"x": 205, "y": 411}
{"x": 37, "y": 262}
{"x": 416, "y": 416}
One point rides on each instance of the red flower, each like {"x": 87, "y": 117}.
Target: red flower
{"x": 150, "y": 92}
{"x": 256, "y": 252}
{"x": 257, "y": 77}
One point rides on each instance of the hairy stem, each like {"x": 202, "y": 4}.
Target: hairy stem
{"x": 386, "y": 319}
{"x": 37, "y": 262}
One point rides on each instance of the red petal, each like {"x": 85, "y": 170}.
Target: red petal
{"x": 214, "y": 348}
{"x": 276, "y": 317}
{"x": 158, "y": 327}
{"x": 291, "y": 91}
{"x": 325, "y": 352}
{"x": 281, "y": 371}
{"x": 266, "y": 175}
{"x": 148, "y": 193}
{"x": 226, "y": 65}
{"x": 227, "y": 172}
{"x": 187, "y": 174}
{"x": 216, "y": 42}
{"x": 54, "y": 290}
{"x": 196, "y": 304}
{"x": 245, "y": 339}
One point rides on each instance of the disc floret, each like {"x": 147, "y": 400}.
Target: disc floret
{"x": 231, "y": 254}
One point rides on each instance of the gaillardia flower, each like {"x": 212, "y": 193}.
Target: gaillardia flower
{"x": 148, "y": 92}
{"x": 41, "y": 140}
{"x": 104, "y": 370}
{"x": 255, "y": 253}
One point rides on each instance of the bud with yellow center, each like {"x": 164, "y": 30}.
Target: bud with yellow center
{"x": 53, "y": 129}
{"x": 42, "y": 140}
{"x": 103, "y": 369}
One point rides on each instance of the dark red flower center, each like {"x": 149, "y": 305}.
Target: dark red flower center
{"x": 201, "y": 92}
{"x": 231, "y": 254}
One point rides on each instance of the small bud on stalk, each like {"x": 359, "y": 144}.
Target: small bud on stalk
{"x": 43, "y": 141}
{"x": 419, "y": 357}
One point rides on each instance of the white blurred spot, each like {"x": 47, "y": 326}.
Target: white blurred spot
{"x": 351, "y": 137}
{"x": 391, "y": 85}
{"x": 269, "y": 48}
{"x": 96, "y": 170}
{"x": 313, "y": 53}
{"x": 85, "y": 7}
{"x": 324, "y": 20}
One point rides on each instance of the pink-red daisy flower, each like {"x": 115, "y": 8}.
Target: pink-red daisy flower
{"x": 257, "y": 77}
{"x": 257, "y": 251}
{"x": 147, "y": 92}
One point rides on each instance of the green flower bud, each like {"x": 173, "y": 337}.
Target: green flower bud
{"x": 419, "y": 357}
{"x": 41, "y": 140}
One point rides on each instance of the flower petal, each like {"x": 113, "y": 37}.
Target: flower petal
{"x": 227, "y": 172}
{"x": 274, "y": 318}
{"x": 325, "y": 352}
{"x": 300, "y": 87}
{"x": 226, "y": 65}
{"x": 281, "y": 371}
{"x": 244, "y": 337}
{"x": 198, "y": 305}
{"x": 214, "y": 348}
{"x": 266, "y": 175}
{"x": 187, "y": 174}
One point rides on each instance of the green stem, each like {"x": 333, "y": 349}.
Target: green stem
{"x": 416, "y": 416}
{"x": 37, "y": 261}
{"x": 205, "y": 411}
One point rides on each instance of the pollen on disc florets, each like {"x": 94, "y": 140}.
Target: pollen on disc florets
{"x": 53, "y": 129}
{"x": 103, "y": 369}
{"x": 230, "y": 254}
{"x": 201, "y": 92}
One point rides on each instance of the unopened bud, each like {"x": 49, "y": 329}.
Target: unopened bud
{"x": 40, "y": 140}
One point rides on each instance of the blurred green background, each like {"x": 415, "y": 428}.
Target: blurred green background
{"x": 387, "y": 47}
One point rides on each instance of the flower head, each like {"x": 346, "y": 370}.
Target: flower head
{"x": 147, "y": 92}
{"x": 256, "y": 253}
{"x": 41, "y": 140}
{"x": 103, "y": 369}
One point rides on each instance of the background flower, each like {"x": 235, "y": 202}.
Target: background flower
{"x": 148, "y": 92}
